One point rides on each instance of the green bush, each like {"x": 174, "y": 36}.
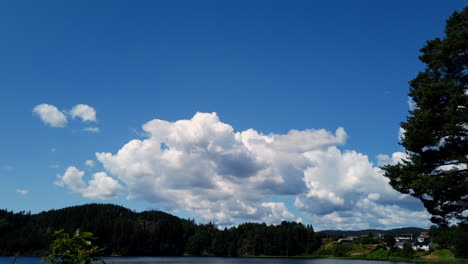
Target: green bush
{"x": 341, "y": 250}
{"x": 75, "y": 249}
{"x": 408, "y": 251}
{"x": 444, "y": 253}
{"x": 379, "y": 253}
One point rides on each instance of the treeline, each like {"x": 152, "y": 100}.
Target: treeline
{"x": 121, "y": 231}
{"x": 365, "y": 232}
{"x": 454, "y": 238}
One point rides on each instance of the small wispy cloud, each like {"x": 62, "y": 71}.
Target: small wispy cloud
{"x": 22, "y": 191}
{"x": 92, "y": 129}
{"x": 89, "y": 163}
{"x": 7, "y": 167}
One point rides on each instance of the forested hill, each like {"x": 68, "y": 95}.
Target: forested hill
{"x": 116, "y": 227}
{"x": 396, "y": 231}
{"x": 151, "y": 233}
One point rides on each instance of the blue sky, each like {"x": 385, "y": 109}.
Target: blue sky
{"x": 268, "y": 66}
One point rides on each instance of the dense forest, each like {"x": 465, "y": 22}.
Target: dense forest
{"x": 121, "y": 231}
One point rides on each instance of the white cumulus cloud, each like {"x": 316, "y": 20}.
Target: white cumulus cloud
{"x": 85, "y": 112}
{"x": 205, "y": 167}
{"x": 101, "y": 186}
{"x": 50, "y": 115}
{"x": 397, "y": 157}
{"x": 277, "y": 212}
{"x": 338, "y": 183}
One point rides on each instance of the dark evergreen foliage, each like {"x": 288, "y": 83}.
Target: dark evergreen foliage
{"x": 453, "y": 238}
{"x": 460, "y": 242}
{"x": 389, "y": 239}
{"x": 151, "y": 233}
{"x": 436, "y": 137}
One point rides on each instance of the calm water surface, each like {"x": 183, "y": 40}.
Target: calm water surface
{"x": 202, "y": 260}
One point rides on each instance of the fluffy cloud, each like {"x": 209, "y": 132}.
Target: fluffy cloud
{"x": 73, "y": 179}
{"x": 22, "y": 191}
{"x": 203, "y": 166}
{"x": 397, "y": 157}
{"x": 101, "y": 186}
{"x": 50, "y": 115}
{"x": 277, "y": 212}
{"x": 341, "y": 183}
{"x": 369, "y": 214}
{"x": 85, "y": 112}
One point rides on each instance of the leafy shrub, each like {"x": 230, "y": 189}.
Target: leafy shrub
{"x": 75, "y": 249}
{"x": 379, "y": 253}
{"x": 341, "y": 250}
{"x": 444, "y": 253}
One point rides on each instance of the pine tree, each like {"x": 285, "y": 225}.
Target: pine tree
{"x": 436, "y": 131}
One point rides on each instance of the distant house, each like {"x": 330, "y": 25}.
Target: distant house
{"x": 423, "y": 242}
{"x": 344, "y": 241}
{"x": 404, "y": 237}
{"x": 426, "y": 246}
{"x": 399, "y": 244}
{"x": 424, "y": 236}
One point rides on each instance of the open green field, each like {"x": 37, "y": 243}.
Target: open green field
{"x": 374, "y": 252}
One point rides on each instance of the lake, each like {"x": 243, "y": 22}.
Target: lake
{"x": 207, "y": 260}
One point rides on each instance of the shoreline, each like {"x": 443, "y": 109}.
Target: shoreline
{"x": 394, "y": 259}
{"x": 390, "y": 259}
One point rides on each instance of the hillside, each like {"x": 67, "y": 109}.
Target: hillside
{"x": 116, "y": 227}
{"x": 151, "y": 233}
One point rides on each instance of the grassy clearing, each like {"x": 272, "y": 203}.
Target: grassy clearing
{"x": 373, "y": 252}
